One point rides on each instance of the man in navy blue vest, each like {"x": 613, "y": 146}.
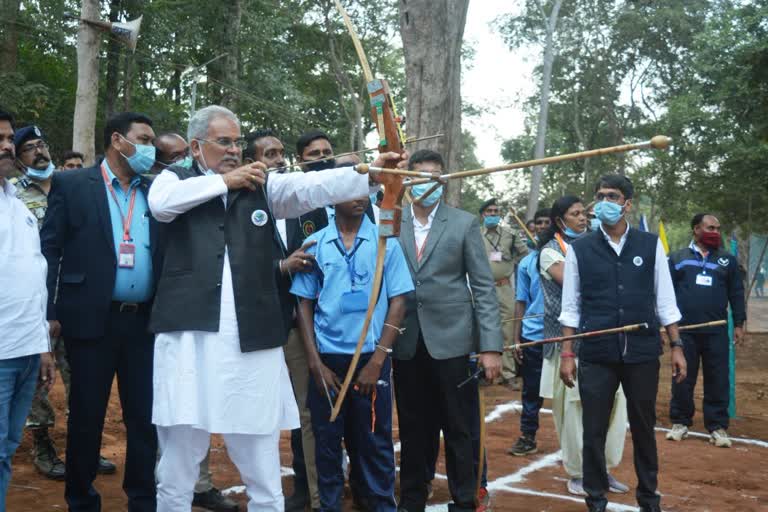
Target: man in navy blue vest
{"x": 264, "y": 146}
{"x": 706, "y": 280}
{"x": 613, "y": 277}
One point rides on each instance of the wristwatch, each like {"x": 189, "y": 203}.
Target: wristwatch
{"x": 676, "y": 343}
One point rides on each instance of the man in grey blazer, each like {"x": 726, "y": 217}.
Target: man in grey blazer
{"x": 452, "y": 313}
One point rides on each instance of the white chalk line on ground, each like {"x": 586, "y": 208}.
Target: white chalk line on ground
{"x": 517, "y": 406}
{"x": 503, "y": 483}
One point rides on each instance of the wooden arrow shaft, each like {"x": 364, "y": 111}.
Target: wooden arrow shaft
{"x": 658, "y": 142}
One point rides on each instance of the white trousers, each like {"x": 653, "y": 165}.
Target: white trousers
{"x": 182, "y": 448}
{"x": 567, "y": 413}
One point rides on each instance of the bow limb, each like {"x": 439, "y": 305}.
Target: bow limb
{"x": 391, "y": 139}
{"x": 481, "y": 451}
{"x": 356, "y": 42}
{"x": 377, "y": 278}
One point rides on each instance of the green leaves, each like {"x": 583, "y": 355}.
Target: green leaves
{"x": 280, "y": 57}
{"x": 625, "y": 70}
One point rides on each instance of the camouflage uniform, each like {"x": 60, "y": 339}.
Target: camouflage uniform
{"x": 505, "y": 249}
{"x": 41, "y": 415}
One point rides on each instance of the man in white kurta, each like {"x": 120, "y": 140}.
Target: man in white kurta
{"x": 203, "y": 382}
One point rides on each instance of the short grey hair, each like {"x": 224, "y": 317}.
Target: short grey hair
{"x": 200, "y": 120}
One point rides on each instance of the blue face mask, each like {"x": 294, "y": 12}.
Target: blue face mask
{"x": 38, "y": 175}
{"x": 573, "y": 234}
{"x": 186, "y": 163}
{"x": 491, "y": 221}
{"x": 422, "y": 188}
{"x": 594, "y": 224}
{"x": 143, "y": 159}
{"x": 608, "y": 212}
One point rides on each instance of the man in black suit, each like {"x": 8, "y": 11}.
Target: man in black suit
{"x": 100, "y": 238}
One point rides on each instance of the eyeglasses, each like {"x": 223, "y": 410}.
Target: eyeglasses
{"x": 40, "y": 146}
{"x": 611, "y": 196}
{"x": 227, "y": 143}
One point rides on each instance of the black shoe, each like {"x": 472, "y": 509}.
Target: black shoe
{"x": 526, "y": 445}
{"x": 45, "y": 459}
{"x": 215, "y": 501}
{"x": 597, "y": 508}
{"x": 297, "y": 502}
{"x": 106, "y": 467}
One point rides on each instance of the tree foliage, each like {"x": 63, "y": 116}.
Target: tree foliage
{"x": 625, "y": 70}
{"x": 277, "y": 71}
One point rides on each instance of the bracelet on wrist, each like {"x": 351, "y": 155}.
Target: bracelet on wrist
{"x": 280, "y": 265}
{"x": 567, "y": 355}
{"x": 384, "y": 349}
{"x": 678, "y": 343}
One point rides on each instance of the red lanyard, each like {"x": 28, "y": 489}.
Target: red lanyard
{"x": 126, "y": 220}
{"x": 420, "y": 250}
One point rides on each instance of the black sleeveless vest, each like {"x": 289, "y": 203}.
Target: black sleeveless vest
{"x": 189, "y": 291}
{"x": 618, "y": 290}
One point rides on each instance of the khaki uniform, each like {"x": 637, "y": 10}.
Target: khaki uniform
{"x": 41, "y": 414}
{"x": 505, "y": 248}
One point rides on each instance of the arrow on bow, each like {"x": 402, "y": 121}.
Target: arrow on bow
{"x": 391, "y": 139}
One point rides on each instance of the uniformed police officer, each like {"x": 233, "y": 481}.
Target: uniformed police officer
{"x": 707, "y": 280}
{"x": 34, "y": 161}
{"x": 505, "y": 249}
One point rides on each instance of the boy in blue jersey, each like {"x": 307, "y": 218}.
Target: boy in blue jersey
{"x": 334, "y": 301}
{"x": 529, "y": 302}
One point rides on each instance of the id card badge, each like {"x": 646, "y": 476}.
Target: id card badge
{"x": 495, "y": 256}
{"x": 354, "y": 302}
{"x": 703, "y": 280}
{"x": 126, "y": 255}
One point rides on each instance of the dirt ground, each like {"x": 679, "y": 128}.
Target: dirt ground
{"x": 694, "y": 475}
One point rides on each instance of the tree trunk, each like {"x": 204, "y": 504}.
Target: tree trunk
{"x": 541, "y": 131}
{"x": 432, "y": 33}
{"x": 9, "y": 36}
{"x": 583, "y": 143}
{"x": 130, "y": 66}
{"x": 87, "y": 98}
{"x": 112, "y": 85}
{"x": 230, "y": 73}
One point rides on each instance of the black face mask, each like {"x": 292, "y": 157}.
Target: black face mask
{"x": 320, "y": 165}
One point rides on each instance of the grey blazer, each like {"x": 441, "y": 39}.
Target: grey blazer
{"x": 454, "y": 320}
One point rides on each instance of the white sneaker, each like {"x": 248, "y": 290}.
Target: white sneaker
{"x": 720, "y": 438}
{"x": 615, "y": 486}
{"x": 678, "y": 432}
{"x": 576, "y": 487}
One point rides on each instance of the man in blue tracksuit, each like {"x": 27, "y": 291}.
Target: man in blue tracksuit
{"x": 529, "y": 302}
{"x": 334, "y": 301}
{"x": 706, "y": 279}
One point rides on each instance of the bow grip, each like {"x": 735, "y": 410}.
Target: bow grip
{"x": 390, "y": 140}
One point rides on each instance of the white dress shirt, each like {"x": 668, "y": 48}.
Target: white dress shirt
{"x": 666, "y": 304}
{"x": 23, "y": 270}
{"x": 203, "y": 379}
{"x": 420, "y": 231}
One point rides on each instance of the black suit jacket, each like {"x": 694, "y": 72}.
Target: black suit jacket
{"x": 78, "y": 244}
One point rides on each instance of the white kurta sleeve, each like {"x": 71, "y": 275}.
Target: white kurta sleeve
{"x": 169, "y": 196}
{"x": 570, "y": 313}
{"x": 666, "y": 303}
{"x": 294, "y": 194}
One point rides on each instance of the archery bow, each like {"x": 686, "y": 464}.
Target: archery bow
{"x": 390, "y": 140}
